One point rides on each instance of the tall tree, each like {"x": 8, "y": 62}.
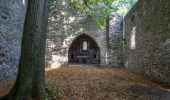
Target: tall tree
{"x": 30, "y": 82}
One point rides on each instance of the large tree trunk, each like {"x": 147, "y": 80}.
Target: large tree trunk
{"x": 30, "y": 83}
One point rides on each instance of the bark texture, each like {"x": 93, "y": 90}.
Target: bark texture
{"x": 30, "y": 83}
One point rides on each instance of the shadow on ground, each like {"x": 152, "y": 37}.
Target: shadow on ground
{"x": 148, "y": 93}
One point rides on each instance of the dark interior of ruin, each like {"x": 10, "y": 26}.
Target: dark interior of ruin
{"x": 84, "y": 50}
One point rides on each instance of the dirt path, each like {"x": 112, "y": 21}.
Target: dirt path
{"x": 95, "y": 83}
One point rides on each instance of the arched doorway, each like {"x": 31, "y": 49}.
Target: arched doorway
{"x": 84, "y": 50}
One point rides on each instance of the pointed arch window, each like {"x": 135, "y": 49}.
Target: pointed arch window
{"x": 85, "y": 45}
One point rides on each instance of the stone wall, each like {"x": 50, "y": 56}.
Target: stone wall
{"x": 11, "y": 24}
{"x": 147, "y": 40}
{"x": 64, "y": 26}
{"x": 115, "y": 40}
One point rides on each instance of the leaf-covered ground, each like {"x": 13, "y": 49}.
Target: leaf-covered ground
{"x": 95, "y": 83}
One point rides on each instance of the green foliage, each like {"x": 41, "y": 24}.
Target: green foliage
{"x": 99, "y": 9}
{"x": 53, "y": 5}
{"x": 123, "y": 6}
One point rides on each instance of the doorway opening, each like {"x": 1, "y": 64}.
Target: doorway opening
{"x": 84, "y": 50}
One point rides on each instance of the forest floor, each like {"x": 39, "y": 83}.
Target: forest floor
{"x": 95, "y": 83}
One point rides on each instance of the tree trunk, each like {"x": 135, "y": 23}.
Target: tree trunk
{"x": 30, "y": 82}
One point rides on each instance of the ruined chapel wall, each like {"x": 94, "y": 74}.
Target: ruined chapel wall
{"x": 65, "y": 24}
{"x": 147, "y": 40}
{"x": 115, "y": 48}
{"x": 11, "y": 25}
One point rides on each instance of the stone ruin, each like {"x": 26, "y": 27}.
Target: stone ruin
{"x": 140, "y": 41}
